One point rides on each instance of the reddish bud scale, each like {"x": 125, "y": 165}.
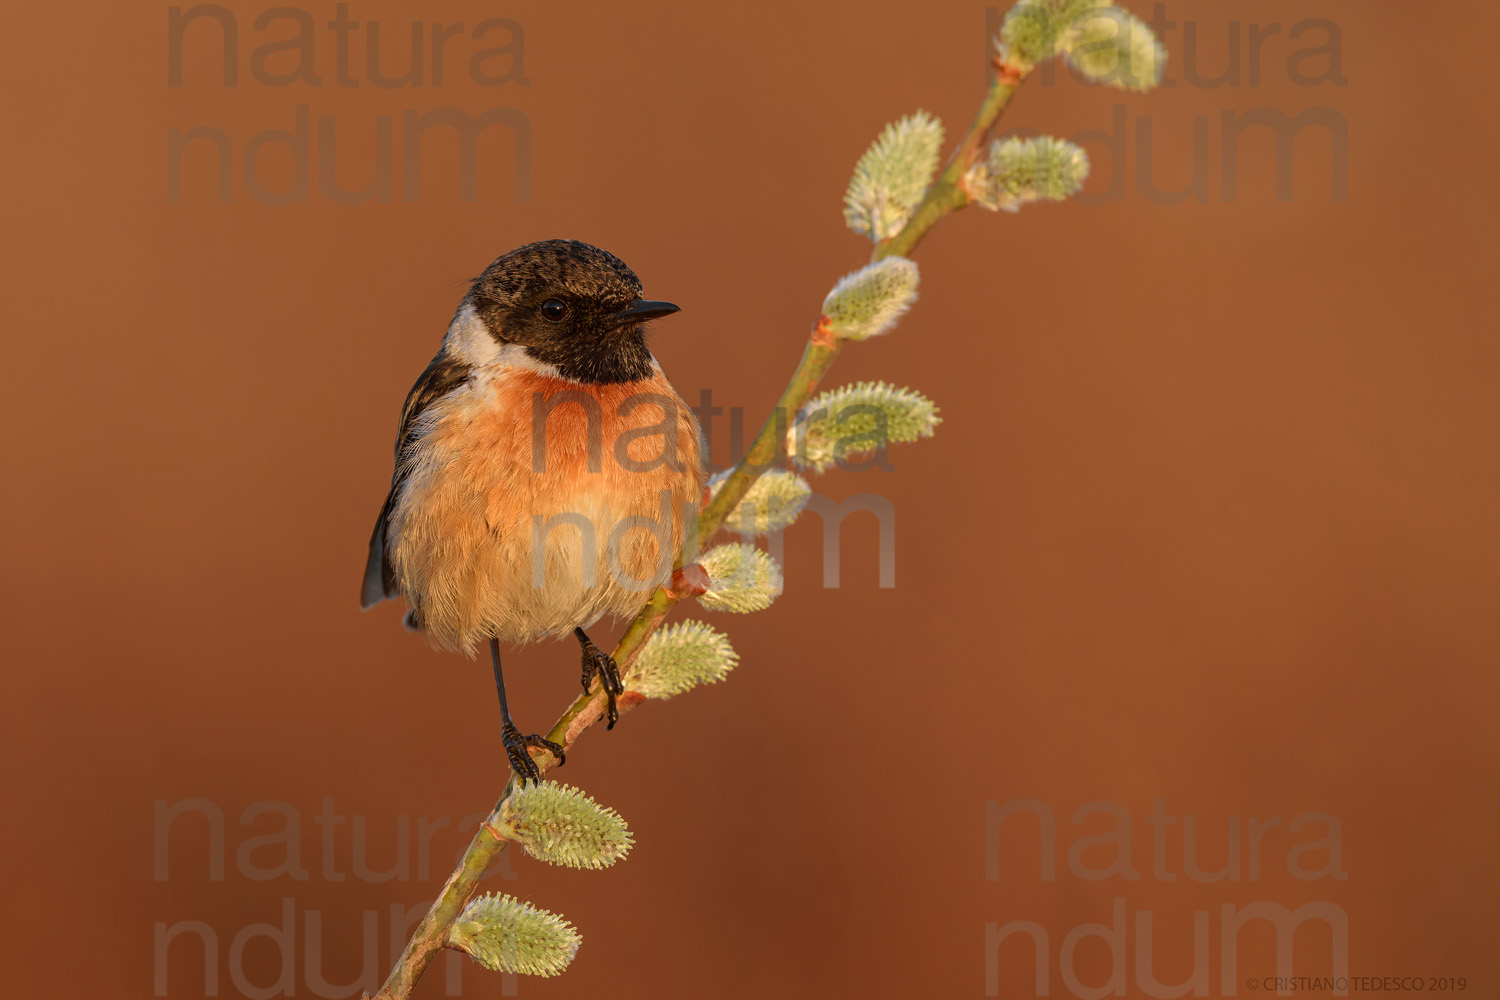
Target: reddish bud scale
{"x": 689, "y": 581}
{"x": 823, "y": 333}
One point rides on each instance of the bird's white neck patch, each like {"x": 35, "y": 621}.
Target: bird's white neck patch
{"x": 469, "y": 340}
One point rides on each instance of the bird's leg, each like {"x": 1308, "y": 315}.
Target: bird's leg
{"x": 597, "y": 661}
{"x": 515, "y": 744}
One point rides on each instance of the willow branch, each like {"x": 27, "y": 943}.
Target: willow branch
{"x": 945, "y": 196}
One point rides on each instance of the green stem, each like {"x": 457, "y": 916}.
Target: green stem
{"x": 817, "y": 357}
{"x": 431, "y": 935}
{"x": 945, "y": 196}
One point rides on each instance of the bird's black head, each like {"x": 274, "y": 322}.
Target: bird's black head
{"x": 572, "y": 306}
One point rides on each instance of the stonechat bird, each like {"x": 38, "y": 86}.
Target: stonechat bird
{"x": 544, "y": 469}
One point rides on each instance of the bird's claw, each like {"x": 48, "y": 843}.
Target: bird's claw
{"x": 516, "y": 746}
{"x": 597, "y": 662}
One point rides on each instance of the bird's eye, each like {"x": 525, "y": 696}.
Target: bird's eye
{"x": 554, "y": 309}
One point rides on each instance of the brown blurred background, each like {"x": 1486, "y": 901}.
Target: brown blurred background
{"x": 1210, "y": 520}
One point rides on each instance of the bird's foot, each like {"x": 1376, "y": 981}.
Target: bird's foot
{"x": 597, "y": 662}
{"x": 521, "y": 762}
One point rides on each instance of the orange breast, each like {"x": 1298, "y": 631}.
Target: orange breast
{"x": 538, "y": 504}
{"x": 627, "y": 427}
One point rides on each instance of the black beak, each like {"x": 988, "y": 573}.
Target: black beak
{"x": 641, "y": 310}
